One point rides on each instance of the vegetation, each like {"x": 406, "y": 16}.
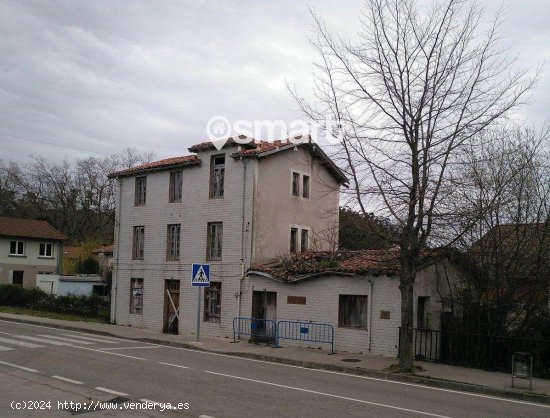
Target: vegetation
{"x": 38, "y": 301}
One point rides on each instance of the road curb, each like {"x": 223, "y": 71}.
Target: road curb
{"x": 410, "y": 379}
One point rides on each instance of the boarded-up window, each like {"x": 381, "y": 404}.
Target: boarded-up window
{"x": 141, "y": 190}
{"x": 176, "y": 180}
{"x": 136, "y": 296}
{"x": 352, "y": 311}
{"x": 213, "y": 302}
{"x": 215, "y": 240}
{"x": 217, "y": 174}
{"x": 295, "y": 184}
{"x": 173, "y": 242}
{"x": 138, "y": 242}
{"x": 293, "y": 240}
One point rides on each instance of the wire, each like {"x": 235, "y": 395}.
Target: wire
{"x": 40, "y": 141}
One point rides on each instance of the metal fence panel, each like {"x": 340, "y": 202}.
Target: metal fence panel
{"x": 316, "y": 332}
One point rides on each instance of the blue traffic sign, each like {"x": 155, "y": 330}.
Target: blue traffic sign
{"x": 200, "y": 275}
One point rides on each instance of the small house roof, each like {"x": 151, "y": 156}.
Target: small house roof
{"x": 29, "y": 228}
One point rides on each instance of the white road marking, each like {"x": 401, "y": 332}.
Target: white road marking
{"x": 174, "y": 365}
{"x": 19, "y": 343}
{"x": 108, "y": 352}
{"x": 5, "y": 363}
{"x": 99, "y": 340}
{"x": 65, "y": 379}
{"x": 2, "y": 348}
{"x": 330, "y": 395}
{"x": 377, "y": 379}
{"x": 70, "y": 340}
{"x": 125, "y": 348}
{"x": 41, "y": 340}
{"x": 114, "y": 392}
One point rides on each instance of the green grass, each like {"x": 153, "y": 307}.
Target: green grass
{"x": 43, "y": 314}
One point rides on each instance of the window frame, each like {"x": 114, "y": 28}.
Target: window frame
{"x": 216, "y": 190}
{"x": 210, "y": 242}
{"x": 295, "y": 185}
{"x": 133, "y": 308}
{"x": 19, "y": 244}
{"x": 293, "y": 243}
{"x": 139, "y": 198}
{"x": 46, "y": 245}
{"x": 302, "y": 248}
{"x": 138, "y": 243}
{"x": 342, "y": 323}
{"x": 173, "y": 255}
{"x": 175, "y": 191}
{"x": 208, "y": 315}
{"x": 306, "y": 186}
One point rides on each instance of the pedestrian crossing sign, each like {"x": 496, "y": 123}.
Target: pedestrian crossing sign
{"x": 200, "y": 275}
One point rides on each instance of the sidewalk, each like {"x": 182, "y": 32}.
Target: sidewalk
{"x": 438, "y": 375}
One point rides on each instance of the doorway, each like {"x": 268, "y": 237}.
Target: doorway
{"x": 171, "y": 306}
{"x": 264, "y": 307}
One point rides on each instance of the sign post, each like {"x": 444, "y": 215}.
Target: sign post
{"x": 200, "y": 277}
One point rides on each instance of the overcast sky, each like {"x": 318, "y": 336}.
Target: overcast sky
{"x": 97, "y": 76}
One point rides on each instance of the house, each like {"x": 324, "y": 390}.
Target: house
{"x": 79, "y": 285}
{"x": 242, "y": 205}
{"x": 28, "y": 247}
{"x": 357, "y": 292}
{"x": 104, "y": 256}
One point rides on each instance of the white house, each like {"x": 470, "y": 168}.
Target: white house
{"x": 356, "y": 292}
{"x": 82, "y": 285}
{"x": 231, "y": 208}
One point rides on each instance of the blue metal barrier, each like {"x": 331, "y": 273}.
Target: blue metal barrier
{"x": 316, "y": 332}
{"x": 262, "y": 330}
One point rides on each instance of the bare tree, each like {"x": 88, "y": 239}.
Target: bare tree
{"x": 418, "y": 85}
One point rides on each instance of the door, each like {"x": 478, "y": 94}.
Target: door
{"x": 171, "y": 306}
{"x": 17, "y": 278}
{"x": 264, "y": 307}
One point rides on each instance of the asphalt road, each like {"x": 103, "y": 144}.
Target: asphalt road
{"x": 41, "y": 363}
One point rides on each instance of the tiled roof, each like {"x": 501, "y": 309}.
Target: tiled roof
{"x": 159, "y": 165}
{"x": 208, "y": 145}
{"x": 94, "y": 278}
{"x": 104, "y": 249}
{"x": 361, "y": 263}
{"x": 29, "y": 228}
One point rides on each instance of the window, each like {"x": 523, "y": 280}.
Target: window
{"x": 421, "y": 314}
{"x": 17, "y": 278}
{"x": 45, "y": 249}
{"x": 141, "y": 190}
{"x": 176, "y": 180}
{"x": 136, "y": 296}
{"x": 215, "y": 238}
{"x": 138, "y": 242}
{"x": 295, "y": 184}
{"x": 304, "y": 243}
{"x": 173, "y": 242}
{"x": 217, "y": 174}
{"x": 212, "y": 302}
{"x": 293, "y": 240}
{"x": 352, "y": 311}
{"x": 305, "y": 186}
{"x": 17, "y": 247}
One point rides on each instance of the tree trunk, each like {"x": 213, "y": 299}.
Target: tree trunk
{"x": 406, "y": 286}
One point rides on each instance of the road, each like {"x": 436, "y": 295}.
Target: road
{"x": 39, "y": 363}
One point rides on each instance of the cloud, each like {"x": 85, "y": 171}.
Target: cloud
{"x": 100, "y": 76}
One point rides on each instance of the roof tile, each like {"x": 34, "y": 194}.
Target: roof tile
{"x": 28, "y": 228}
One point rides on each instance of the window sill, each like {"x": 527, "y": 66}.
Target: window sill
{"x": 171, "y": 260}
{"x": 361, "y": 328}
{"x": 17, "y": 255}
{"x": 46, "y": 257}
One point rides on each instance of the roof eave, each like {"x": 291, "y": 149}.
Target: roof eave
{"x": 121, "y": 174}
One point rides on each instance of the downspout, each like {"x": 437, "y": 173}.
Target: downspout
{"x": 114, "y": 284}
{"x": 243, "y": 249}
{"x": 370, "y": 314}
